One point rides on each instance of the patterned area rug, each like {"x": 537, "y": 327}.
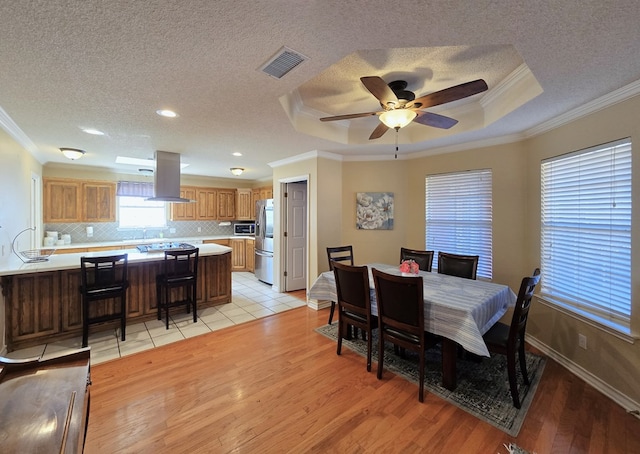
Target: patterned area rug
{"x": 513, "y": 449}
{"x": 483, "y": 387}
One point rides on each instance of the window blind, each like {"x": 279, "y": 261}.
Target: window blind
{"x": 586, "y": 232}
{"x": 134, "y": 189}
{"x": 459, "y": 216}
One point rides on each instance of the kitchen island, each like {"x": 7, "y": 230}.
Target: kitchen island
{"x": 42, "y": 300}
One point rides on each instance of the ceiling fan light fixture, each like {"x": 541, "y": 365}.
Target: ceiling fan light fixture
{"x": 72, "y": 153}
{"x": 397, "y": 118}
{"x": 237, "y": 171}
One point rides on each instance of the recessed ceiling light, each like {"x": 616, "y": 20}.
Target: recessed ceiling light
{"x": 92, "y": 131}
{"x": 166, "y": 113}
{"x": 237, "y": 153}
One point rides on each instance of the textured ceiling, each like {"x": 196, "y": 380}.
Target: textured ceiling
{"x": 110, "y": 64}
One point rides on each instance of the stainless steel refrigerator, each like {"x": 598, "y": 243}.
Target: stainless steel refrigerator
{"x": 264, "y": 240}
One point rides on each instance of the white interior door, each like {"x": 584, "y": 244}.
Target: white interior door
{"x": 296, "y": 236}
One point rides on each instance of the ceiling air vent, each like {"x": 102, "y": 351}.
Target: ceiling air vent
{"x": 282, "y": 62}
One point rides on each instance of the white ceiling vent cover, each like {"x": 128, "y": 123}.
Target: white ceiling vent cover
{"x": 282, "y": 62}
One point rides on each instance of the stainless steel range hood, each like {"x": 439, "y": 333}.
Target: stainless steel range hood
{"x": 167, "y": 178}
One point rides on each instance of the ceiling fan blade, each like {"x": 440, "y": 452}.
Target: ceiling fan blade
{"x": 349, "y": 116}
{"x": 380, "y": 90}
{"x": 379, "y": 131}
{"x": 435, "y": 120}
{"x": 449, "y": 94}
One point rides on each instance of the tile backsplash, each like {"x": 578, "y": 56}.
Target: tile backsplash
{"x": 109, "y": 231}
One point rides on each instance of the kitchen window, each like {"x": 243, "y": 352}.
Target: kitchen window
{"x": 459, "y": 216}
{"x": 586, "y": 233}
{"x": 134, "y": 211}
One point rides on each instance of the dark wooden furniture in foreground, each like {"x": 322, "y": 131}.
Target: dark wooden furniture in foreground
{"x": 45, "y": 307}
{"x": 177, "y": 284}
{"x": 290, "y": 393}
{"x": 509, "y": 339}
{"x": 401, "y": 318}
{"x": 44, "y": 405}
{"x": 103, "y": 278}
{"x": 354, "y": 304}
{"x": 424, "y": 259}
{"x": 338, "y": 254}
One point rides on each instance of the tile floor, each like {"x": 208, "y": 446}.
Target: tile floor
{"x": 250, "y": 300}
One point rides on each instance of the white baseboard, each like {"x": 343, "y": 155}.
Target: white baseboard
{"x": 621, "y": 399}
{"x": 317, "y": 305}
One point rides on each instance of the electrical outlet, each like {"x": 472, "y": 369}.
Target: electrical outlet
{"x": 172, "y": 230}
{"x": 582, "y": 341}
{"x": 199, "y": 229}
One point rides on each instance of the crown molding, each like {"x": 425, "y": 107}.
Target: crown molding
{"x": 18, "y": 134}
{"x": 608, "y": 100}
{"x": 304, "y": 156}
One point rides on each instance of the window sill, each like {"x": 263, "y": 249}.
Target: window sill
{"x": 621, "y": 332}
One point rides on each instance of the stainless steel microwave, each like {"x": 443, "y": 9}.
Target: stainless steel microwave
{"x": 244, "y": 229}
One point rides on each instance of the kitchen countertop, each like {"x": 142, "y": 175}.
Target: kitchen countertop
{"x": 57, "y": 262}
{"x": 195, "y": 240}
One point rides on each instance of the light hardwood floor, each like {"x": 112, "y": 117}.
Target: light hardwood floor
{"x": 273, "y": 385}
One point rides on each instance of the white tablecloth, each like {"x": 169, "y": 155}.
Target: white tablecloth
{"x": 456, "y": 308}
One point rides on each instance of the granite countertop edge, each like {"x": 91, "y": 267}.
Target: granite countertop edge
{"x": 68, "y": 261}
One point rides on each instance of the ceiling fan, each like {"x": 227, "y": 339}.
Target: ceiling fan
{"x": 400, "y": 106}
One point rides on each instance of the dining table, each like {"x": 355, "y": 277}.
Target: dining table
{"x": 458, "y": 310}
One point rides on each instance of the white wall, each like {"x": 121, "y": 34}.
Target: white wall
{"x": 16, "y": 169}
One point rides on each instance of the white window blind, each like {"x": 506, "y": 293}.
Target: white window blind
{"x": 459, "y": 215}
{"x": 586, "y": 233}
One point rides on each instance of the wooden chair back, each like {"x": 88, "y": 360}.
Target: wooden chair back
{"x": 354, "y": 303}
{"x": 340, "y": 254}
{"x": 465, "y": 266}
{"x": 424, "y": 259}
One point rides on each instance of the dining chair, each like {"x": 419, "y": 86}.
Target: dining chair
{"x": 424, "y": 259}
{"x": 465, "y": 266}
{"x": 103, "y": 278}
{"x": 179, "y": 271}
{"x": 509, "y": 339}
{"x": 401, "y": 318}
{"x": 354, "y": 303}
{"x": 338, "y": 254}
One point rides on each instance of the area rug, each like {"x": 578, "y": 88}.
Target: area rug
{"x": 483, "y": 386}
{"x": 513, "y": 449}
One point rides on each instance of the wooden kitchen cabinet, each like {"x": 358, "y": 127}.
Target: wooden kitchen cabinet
{"x": 250, "y": 255}
{"x": 226, "y": 204}
{"x": 207, "y": 204}
{"x": 255, "y": 196}
{"x": 238, "y": 254}
{"x": 184, "y": 211}
{"x": 224, "y": 242}
{"x": 244, "y": 209}
{"x": 99, "y": 201}
{"x": 32, "y": 305}
{"x": 266, "y": 192}
{"x": 68, "y": 201}
{"x": 61, "y": 201}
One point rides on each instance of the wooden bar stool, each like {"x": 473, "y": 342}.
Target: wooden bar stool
{"x": 179, "y": 271}
{"x": 103, "y": 278}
